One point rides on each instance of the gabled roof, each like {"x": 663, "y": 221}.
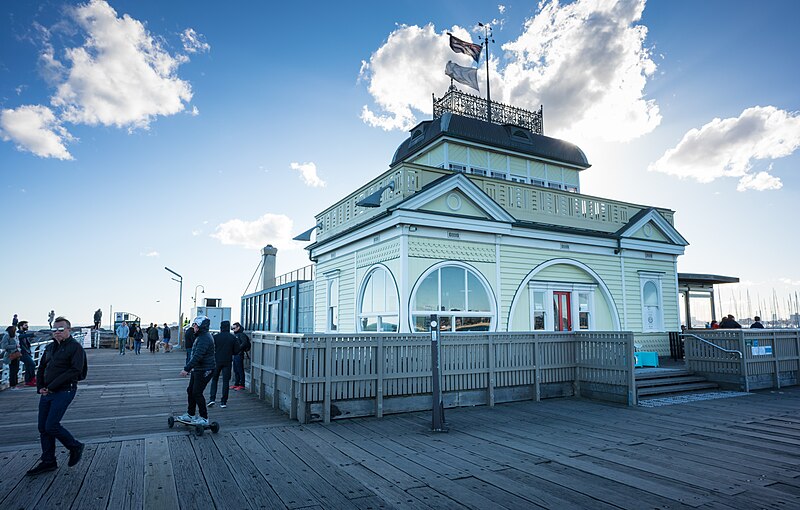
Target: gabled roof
{"x": 652, "y": 216}
{"x": 508, "y": 137}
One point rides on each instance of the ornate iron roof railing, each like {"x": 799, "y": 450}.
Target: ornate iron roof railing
{"x": 476, "y": 107}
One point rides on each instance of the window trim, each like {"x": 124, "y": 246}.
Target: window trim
{"x": 493, "y": 313}
{"x": 360, "y": 299}
{"x": 574, "y": 290}
{"x": 656, "y": 278}
{"x": 331, "y": 310}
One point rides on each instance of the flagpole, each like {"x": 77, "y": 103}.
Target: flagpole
{"x": 486, "y": 29}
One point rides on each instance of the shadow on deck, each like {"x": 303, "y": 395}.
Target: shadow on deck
{"x": 565, "y": 453}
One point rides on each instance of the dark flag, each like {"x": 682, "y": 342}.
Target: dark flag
{"x": 459, "y": 46}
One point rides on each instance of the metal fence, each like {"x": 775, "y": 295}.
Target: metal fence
{"x": 755, "y": 358}
{"x": 321, "y": 376}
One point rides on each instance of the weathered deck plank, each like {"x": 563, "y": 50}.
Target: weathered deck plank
{"x": 571, "y": 453}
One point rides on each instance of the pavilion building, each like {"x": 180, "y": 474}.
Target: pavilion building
{"x": 485, "y": 224}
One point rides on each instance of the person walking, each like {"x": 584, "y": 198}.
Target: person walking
{"x": 11, "y": 355}
{"x": 166, "y": 338}
{"x": 188, "y": 340}
{"x": 225, "y": 346}
{"x": 152, "y": 337}
{"x": 15, "y": 321}
{"x": 24, "y": 338}
{"x": 98, "y": 316}
{"x": 244, "y": 344}
{"x": 138, "y": 336}
{"x": 50, "y": 317}
{"x": 62, "y": 365}
{"x": 123, "y": 331}
{"x": 200, "y": 369}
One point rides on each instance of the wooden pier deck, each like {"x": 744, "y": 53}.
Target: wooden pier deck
{"x": 741, "y": 452}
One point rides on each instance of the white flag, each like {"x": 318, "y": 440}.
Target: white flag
{"x": 466, "y": 75}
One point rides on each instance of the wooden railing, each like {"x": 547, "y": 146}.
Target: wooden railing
{"x": 525, "y": 202}
{"x": 322, "y": 376}
{"x": 770, "y": 357}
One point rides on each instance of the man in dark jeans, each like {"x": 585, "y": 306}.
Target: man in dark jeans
{"x": 25, "y": 346}
{"x": 225, "y": 346}
{"x": 243, "y": 342}
{"x": 201, "y": 368}
{"x": 60, "y": 368}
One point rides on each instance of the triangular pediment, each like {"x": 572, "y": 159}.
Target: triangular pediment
{"x": 456, "y": 195}
{"x": 651, "y": 232}
{"x": 455, "y": 202}
{"x": 650, "y": 225}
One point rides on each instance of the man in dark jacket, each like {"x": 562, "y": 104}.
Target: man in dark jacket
{"x": 24, "y": 337}
{"x": 729, "y": 322}
{"x": 756, "y": 325}
{"x": 225, "y": 347}
{"x": 152, "y": 337}
{"x": 60, "y": 368}
{"x": 243, "y": 341}
{"x": 201, "y": 368}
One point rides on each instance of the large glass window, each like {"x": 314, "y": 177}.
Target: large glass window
{"x": 379, "y": 303}
{"x": 458, "y": 295}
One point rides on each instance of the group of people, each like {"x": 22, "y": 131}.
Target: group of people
{"x": 729, "y": 322}
{"x": 16, "y": 347}
{"x": 134, "y": 334}
{"x": 63, "y": 364}
{"x": 207, "y": 359}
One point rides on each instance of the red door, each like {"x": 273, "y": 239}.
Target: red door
{"x": 562, "y": 313}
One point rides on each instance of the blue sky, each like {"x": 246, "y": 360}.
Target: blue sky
{"x": 229, "y": 126}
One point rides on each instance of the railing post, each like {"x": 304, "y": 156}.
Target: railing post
{"x": 491, "y": 362}
{"x": 633, "y": 394}
{"x": 275, "y": 375}
{"x": 293, "y": 383}
{"x": 775, "y": 356}
{"x": 381, "y": 359}
{"x": 326, "y": 403}
{"x": 537, "y": 351}
{"x": 744, "y": 361}
{"x": 302, "y": 415}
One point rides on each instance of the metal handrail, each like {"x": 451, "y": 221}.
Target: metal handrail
{"x": 730, "y": 351}
{"x": 714, "y": 345}
{"x": 37, "y": 348}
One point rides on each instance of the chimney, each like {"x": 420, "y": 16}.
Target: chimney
{"x": 268, "y": 253}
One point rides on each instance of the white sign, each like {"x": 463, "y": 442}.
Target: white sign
{"x": 764, "y": 350}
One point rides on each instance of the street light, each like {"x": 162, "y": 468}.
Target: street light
{"x": 195, "y": 294}
{"x": 180, "y": 299}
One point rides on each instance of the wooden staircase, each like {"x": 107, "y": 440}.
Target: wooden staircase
{"x": 660, "y": 382}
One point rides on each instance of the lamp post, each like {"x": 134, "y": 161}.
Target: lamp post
{"x": 195, "y": 294}
{"x": 180, "y": 300}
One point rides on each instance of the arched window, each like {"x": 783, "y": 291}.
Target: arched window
{"x": 460, "y": 297}
{"x": 652, "y": 310}
{"x": 379, "y": 304}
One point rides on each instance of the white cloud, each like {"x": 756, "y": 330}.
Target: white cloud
{"x": 788, "y": 281}
{"x": 151, "y": 254}
{"x": 194, "y": 112}
{"x": 585, "y": 62}
{"x": 120, "y": 76}
{"x": 759, "y": 182}
{"x": 275, "y": 229}
{"x": 196, "y": 232}
{"x": 35, "y": 128}
{"x": 728, "y": 148}
{"x": 308, "y": 172}
{"x": 501, "y": 8}
{"x": 194, "y": 42}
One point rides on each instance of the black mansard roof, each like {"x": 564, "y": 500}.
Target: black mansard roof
{"x": 507, "y": 137}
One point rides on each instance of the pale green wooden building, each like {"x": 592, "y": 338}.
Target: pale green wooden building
{"x": 485, "y": 224}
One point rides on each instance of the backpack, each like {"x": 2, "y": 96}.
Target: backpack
{"x": 85, "y": 370}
